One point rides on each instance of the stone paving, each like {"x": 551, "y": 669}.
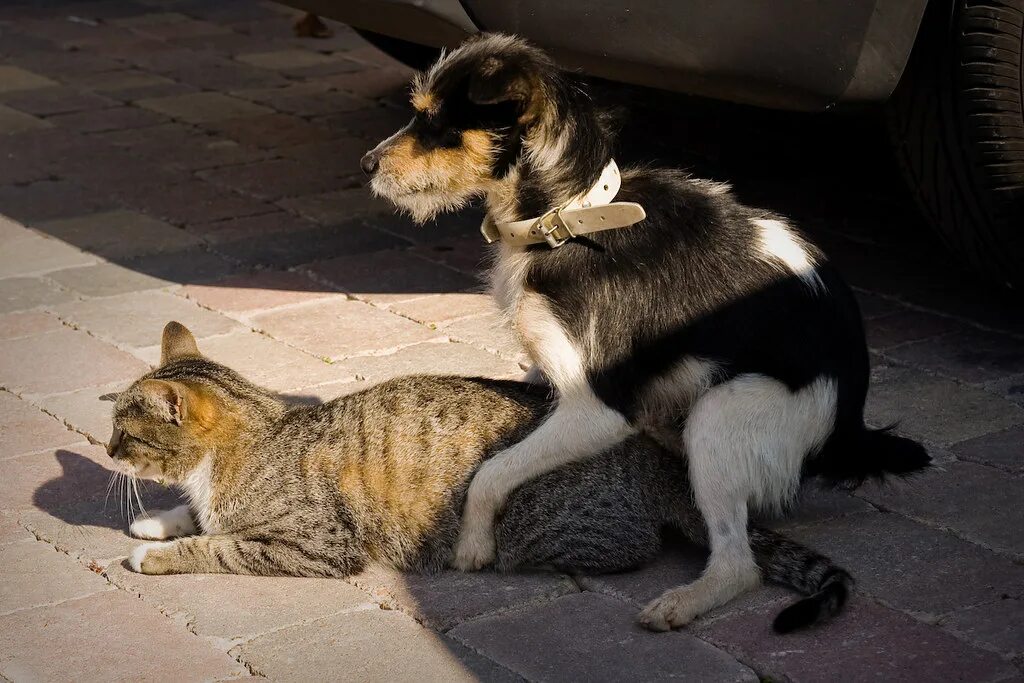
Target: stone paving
{"x": 191, "y": 159}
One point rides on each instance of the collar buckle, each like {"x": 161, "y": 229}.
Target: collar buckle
{"x": 555, "y": 230}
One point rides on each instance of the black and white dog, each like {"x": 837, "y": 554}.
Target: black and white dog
{"x": 713, "y": 325}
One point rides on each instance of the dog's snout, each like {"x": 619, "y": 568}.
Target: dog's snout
{"x": 370, "y": 162}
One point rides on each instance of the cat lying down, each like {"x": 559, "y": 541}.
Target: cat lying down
{"x": 381, "y": 475}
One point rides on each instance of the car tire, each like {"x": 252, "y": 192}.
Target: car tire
{"x": 413, "y": 55}
{"x": 957, "y": 123}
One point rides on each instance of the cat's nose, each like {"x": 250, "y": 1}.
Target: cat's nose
{"x": 370, "y": 162}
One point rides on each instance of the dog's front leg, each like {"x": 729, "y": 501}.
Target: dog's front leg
{"x": 579, "y": 427}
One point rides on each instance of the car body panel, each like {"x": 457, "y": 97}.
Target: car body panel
{"x": 787, "y": 54}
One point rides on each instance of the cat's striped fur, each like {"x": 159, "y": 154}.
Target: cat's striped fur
{"x": 381, "y": 475}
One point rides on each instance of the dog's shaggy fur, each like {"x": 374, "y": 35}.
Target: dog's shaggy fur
{"x": 715, "y": 326}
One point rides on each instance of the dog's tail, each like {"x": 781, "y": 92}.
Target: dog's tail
{"x": 791, "y": 564}
{"x": 847, "y": 460}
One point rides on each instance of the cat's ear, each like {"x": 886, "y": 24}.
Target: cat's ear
{"x": 177, "y": 343}
{"x": 167, "y": 400}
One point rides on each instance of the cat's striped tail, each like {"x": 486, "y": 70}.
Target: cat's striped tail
{"x": 791, "y": 564}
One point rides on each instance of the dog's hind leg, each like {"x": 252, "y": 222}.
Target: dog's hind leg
{"x": 578, "y": 427}
{"x": 745, "y": 441}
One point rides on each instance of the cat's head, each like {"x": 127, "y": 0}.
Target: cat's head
{"x": 168, "y": 421}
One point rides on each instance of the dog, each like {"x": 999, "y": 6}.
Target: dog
{"x": 714, "y": 326}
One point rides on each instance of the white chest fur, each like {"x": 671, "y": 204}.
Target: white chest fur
{"x": 198, "y": 486}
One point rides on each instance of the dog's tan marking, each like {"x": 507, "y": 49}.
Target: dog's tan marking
{"x": 424, "y": 101}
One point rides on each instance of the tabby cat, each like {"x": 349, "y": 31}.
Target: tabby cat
{"x": 381, "y": 475}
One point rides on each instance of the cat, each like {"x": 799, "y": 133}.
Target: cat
{"x": 381, "y": 476}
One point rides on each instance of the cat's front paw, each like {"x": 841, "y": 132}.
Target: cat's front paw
{"x": 474, "y": 550}
{"x": 145, "y": 559}
{"x": 164, "y": 525}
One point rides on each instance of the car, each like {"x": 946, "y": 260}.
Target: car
{"x": 947, "y": 74}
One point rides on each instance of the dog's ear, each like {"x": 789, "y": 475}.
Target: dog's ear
{"x": 496, "y": 81}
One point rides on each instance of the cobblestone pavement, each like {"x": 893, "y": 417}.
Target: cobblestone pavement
{"x": 192, "y": 160}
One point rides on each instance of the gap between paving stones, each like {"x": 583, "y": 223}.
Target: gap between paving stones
{"x": 932, "y": 524}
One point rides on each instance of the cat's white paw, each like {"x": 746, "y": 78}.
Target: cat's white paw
{"x": 164, "y": 524}
{"x": 474, "y": 550}
{"x": 138, "y": 555}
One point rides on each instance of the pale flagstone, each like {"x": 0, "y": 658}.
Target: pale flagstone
{"x": 13, "y": 78}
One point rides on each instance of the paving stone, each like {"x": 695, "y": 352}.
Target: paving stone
{"x": 49, "y": 199}
{"x": 938, "y": 496}
{"x": 873, "y": 306}
{"x": 262, "y": 290}
{"x": 906, "y": 326}
{"x": 337, "y": 329}
{"x": 335, "y": 207}
{"x": 212, "y": 72}
{"x": 87, "y": 639}
{"x": 288, "y": 59}
{"x": 102, "y": 120}
{"x": 679, "y": 563}
{"x": 212, "y": 606}
{"x": 438, "y": 309}
{"x": 934, "y": 408}
{"x": 54, "y": 479}
{"x": 431, "y": 359}
{"x": 365, "y": 644}
{"x": 63, "y": 65}
{"x": 389, "y": 276}
{"x": 271, "y": 363}
{"x": 26, "y": 429}
{"x": 59, "y": 100}
{"x": 594, "y": 638}
{"x": 84, "y": 409}
{"x": 149, "y": 311}
{"x": 285, "y": 249}
{"x": 93, "y": 528}
{"x": 449, "y": 598}
{"x": 181, "y": 29}
{"x": 487, "y": 332}
{"x": 271, "y": 130}
{"x": 250, "y": 229}
{"x": 26, "y": 324}
{"x": 468, "y": 255}
{"x": 304, "y": 99}
{"x": 970, "y": 355}
{"x": 181, "y": 147}
{"x": 105, "y": 279}
{"x": 122, "y": 83}
{"x": 63, "y": 360}
{"x": 195, "y": 201}
{"x": 911, "y": 566}
{"x": 13, "y": 79}
{"x": 272, "y": 179}
{"x": 119, "y": 235}
{"x": 1010, "y": 388}
{"x": 202, "y": 107}
{"x": 36, "y": 574}
{"x": 998, "y": 625}
{"x": 11, "y": 530}
{"x": 343, "y": 152}
{"x": 182, "y": 267}
{"x": 372, "y": 123}
{"x": 21, "y": 293}
{"x": 371, "y": 83}
{"x": 1002, "y": 449}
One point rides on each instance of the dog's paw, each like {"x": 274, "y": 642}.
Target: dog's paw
{"x": 137, "y": 561}
{"x": 164, "y": 525}
{"x": 673, "y": 609}
{"x": 474, "y": 550}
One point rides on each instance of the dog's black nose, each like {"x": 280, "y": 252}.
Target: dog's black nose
{"x": 369, "y": 163}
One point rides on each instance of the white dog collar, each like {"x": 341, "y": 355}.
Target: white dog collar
{"x": 592, "y": 211}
